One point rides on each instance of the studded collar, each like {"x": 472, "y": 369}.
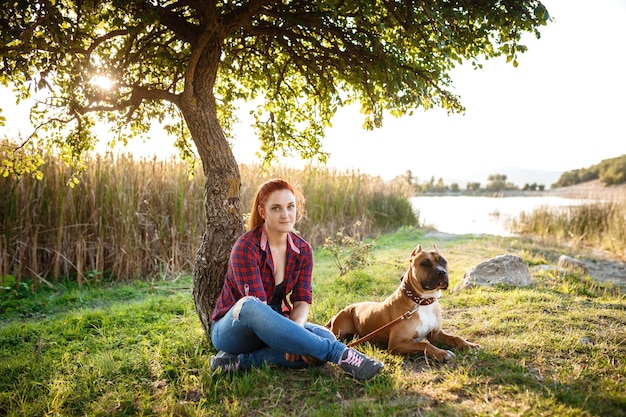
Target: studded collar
{"x": 414, "y": 297}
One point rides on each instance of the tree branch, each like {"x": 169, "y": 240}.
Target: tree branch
{"x": 183, "y": 29}
{"x": 243, "y": 15}
{"x": 98, "y": 41}
{"x": 137, "y": 95}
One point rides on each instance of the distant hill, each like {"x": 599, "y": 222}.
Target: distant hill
{"x": 609, "y": 171}
{"x": 517, "y": 176}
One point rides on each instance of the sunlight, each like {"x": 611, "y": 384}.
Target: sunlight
{"x": 101, "y": 81}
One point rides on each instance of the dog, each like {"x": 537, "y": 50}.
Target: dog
{"x": 421, "y": 286}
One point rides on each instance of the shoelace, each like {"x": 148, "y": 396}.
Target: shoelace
{"x": 232, "y": 366}
{"x": 353, "y": 359}
{"x": 226, "y": 364}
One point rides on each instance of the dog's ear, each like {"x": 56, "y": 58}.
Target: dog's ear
{"x": 436, "y": 248}
{"x": 416, "y": 250}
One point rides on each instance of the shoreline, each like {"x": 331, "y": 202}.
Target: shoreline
{"x": 592, "y": 190}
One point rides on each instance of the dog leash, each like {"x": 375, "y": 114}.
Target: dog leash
{"x": 380, "y": 329}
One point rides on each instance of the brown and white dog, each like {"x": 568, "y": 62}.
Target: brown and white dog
{"x": 421, "y": 286}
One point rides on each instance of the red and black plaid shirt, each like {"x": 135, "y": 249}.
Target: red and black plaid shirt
{"x": 251, "y": 272}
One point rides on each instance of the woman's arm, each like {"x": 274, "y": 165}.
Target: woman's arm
{"x": 300, "y": 312}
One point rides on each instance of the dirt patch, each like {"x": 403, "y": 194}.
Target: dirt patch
{"x": 602, "y": 266}
{"x": 608, "y": 271}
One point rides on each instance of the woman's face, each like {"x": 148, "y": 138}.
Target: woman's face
{"x": 279, "y": 211}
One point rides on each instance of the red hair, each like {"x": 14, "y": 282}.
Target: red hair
{"x": 263, "y": 194}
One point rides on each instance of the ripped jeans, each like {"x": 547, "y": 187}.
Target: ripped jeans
{"x": 262, "y": 336}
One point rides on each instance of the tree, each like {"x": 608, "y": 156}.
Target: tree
{"x": 473, "y": 186}
{"x": 188, "y": 63}
{"x": 496, "y": 182}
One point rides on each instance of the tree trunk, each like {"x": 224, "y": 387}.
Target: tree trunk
{"x": 224, "y": 222}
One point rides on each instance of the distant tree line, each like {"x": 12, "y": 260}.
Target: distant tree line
{"x": 609, "y": 171}
{"x": 495, "y": 183}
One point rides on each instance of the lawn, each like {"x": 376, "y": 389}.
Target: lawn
{"x": 556, "y": 348}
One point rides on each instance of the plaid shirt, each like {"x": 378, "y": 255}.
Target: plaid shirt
{"x": 251, "y": 272}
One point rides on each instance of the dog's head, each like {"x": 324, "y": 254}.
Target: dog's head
{"x": 428, "y": 270}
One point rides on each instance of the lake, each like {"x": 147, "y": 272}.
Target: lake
{"x": 480, "y": 215}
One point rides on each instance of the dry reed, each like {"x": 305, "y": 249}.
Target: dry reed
{"x": 133, "y": 219}
{"x": 599, "y": 223}
{"x": 124, "y": 219}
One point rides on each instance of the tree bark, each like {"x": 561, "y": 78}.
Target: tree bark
{"x": 224, "y": 222}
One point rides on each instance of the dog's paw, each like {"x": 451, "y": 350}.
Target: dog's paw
{"x": 449, "y": 355}
{"x": 443, "y": 355}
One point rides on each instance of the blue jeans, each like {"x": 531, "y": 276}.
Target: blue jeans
{"x": 262, "y": 336}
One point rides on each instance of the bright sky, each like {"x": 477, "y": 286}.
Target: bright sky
{"x": 562, "y": 108}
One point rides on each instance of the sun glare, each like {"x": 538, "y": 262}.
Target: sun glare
{"x": 102, "y": 82}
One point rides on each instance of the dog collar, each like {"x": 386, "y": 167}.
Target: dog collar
{"x": 414, "y": 297}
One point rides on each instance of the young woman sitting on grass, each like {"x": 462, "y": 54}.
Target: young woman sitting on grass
{"x": 254, "y": 323}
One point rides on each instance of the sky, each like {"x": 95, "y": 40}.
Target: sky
{"x": 562, "y": 108}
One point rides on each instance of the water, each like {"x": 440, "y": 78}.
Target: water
{"x": 481, "y": 215}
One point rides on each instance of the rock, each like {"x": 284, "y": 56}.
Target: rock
{"x": 573, "y": 264}
{"x": 504, "y": 269}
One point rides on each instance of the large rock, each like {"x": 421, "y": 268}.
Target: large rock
{"x": 504, "y": 269}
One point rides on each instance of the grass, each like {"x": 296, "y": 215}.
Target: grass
{"x": 556, "y": 348}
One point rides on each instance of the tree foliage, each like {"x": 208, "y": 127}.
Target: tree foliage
{"x": 299, "y": 60}
{"x": 610, "y": 171}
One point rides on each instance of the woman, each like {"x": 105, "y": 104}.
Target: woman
{"x": 254, "y": 323}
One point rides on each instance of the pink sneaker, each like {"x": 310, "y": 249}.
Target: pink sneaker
{"x": 227, "y": 362}
{"x": 358, "y": 365}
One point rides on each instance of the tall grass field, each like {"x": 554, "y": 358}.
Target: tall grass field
{"x": 137, "y": 219}
{"x": 134, "y": 219}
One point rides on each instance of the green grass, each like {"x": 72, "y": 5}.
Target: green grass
{"x": 556, "y": 348}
